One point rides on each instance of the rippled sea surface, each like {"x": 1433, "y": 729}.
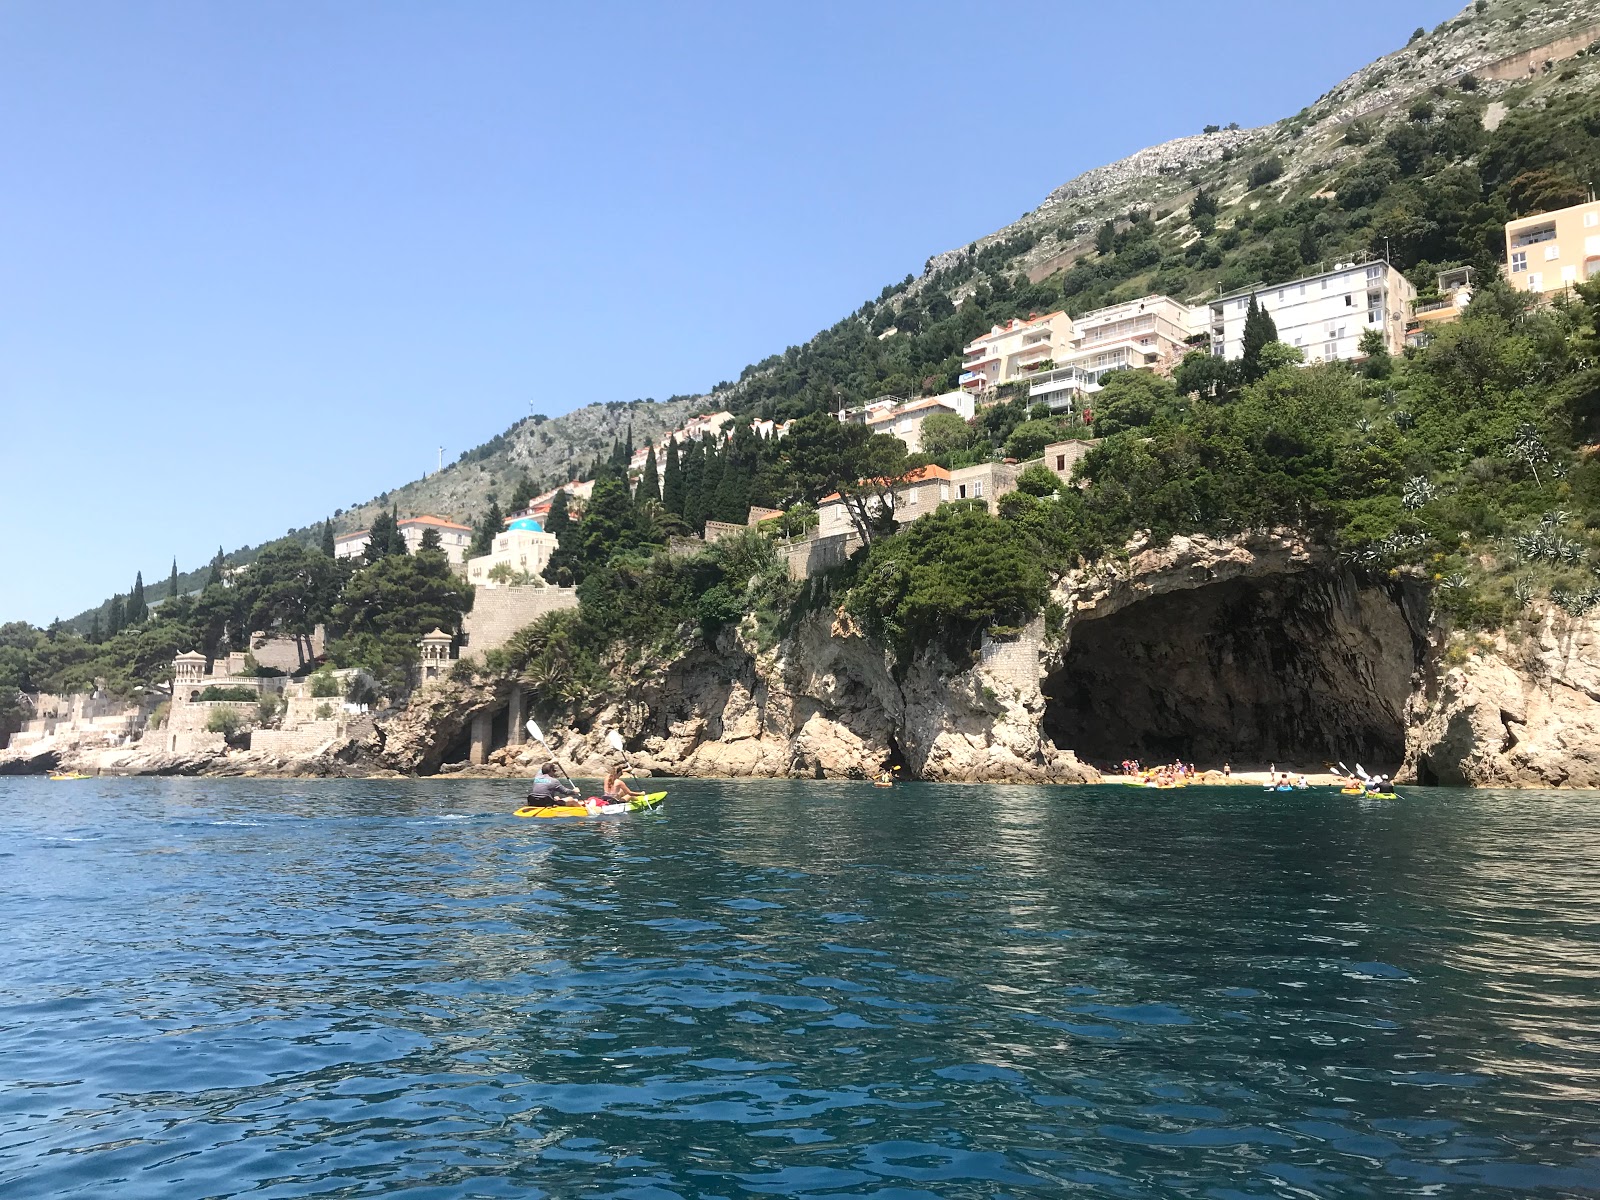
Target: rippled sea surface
{"x": 282, "y": 988}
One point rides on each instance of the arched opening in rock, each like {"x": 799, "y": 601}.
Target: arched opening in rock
{"x": 1297, "y": 669}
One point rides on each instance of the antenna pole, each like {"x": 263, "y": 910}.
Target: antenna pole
{"x": 441, "y": 458}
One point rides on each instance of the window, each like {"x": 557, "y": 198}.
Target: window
{"x": 911, "y": 497}
{"x": 1552, "y": 252}
{"x": 1374, "y": 316}
{"x": 1374, "y": 272}
{"x": 1591, "y": 245}
{"x": 1519, "y": 262}
{"x": 1569, "y": 274}
{"x": 1535, "y": 281}
{"x": 1324, "y": 285}
{"x": 1302, "y": 289}
{"x": 1591, "y": 219}
{"x": 1061, "y": 462}
{"x": 944, "y": 491}
{"x": 1349, "y": 301}
{"x": 977, "y": 489}
{"x": 961, "y": 491}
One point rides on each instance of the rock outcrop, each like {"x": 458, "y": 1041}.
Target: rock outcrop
{"x": 1500, "y": 712}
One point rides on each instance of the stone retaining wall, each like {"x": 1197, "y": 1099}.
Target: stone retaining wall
{"x": 499, "y": 612}
{"x": 304, "y": 739}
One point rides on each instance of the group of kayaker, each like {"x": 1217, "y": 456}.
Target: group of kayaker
{"x": 551, "y": 787}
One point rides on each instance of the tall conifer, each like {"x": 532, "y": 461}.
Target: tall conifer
{"x": 172, "y": 581}
{"x": 215, "y": 577}
{"x": 328, "y": 547}
{"x": 117, "y": 617}
{"x": 672, "y": 480}
{"x": 1259, "y": 331}
{"x": 138, "y": 610}
{"x": 650, "y": 481}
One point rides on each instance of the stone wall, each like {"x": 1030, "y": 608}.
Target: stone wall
{"x": 497, "y": 613}
{"x": 1015, "y": 662}
{"x": 816, "y": 555}
{"x": 288, "y": 654}
{"x": 303, "y": 739}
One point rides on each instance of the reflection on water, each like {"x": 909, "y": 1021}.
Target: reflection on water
{"x": 347, "y": 989}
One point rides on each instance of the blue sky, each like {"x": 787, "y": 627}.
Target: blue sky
{"x": 259, "y": 260}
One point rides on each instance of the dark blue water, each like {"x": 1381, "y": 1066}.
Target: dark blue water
{"x": 275, "y": 989}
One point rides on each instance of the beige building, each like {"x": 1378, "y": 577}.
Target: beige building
{"x": 987, "y": 482}
{"x": 1062, "y": 457}
{"x": 1151, "y": 333}
{"x": 904, "y": 420}
{"x": 454, "y": 539}
{"x": 1553, "y": 251}
{"x": 523, "y": 549}
{"x": 1015, "y": 350}
{"x": 1455, "y": 293}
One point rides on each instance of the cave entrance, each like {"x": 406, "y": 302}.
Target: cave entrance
{"x": 1299, "y": 670}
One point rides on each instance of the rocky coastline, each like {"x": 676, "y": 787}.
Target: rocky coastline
{"x": 1258, "y": 647}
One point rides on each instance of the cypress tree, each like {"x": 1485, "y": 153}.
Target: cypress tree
{"x": 627, "y": 448}
{"x": 559, "y": 521}
{"x": 172, "y": 581}
{"x": 650, "y": 481}
{"x": 1259, "y": 330}
{"x": 95, "y": 634}
{"x": 116, "y": 618}
{"x": 215, "y": 577}
{"x": 384, "y": 539}
{"x": 492, "y": 525}
{"x": 694, "y": 475}
{"x": 710, "y": 481}
{"x": 672, "y": 480}
{"x": 327, "y": 537}
{"x": 138, "y": 610}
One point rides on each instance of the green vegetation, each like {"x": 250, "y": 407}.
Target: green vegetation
{"x": 214, "y": 692}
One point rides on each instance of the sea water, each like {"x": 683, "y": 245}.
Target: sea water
{"x": 291, "y": 988}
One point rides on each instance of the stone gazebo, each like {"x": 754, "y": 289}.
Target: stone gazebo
{"x": 435, "y": 649}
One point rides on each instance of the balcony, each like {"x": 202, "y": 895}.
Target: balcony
{"x": 1432, "y": 306}
{"x": 1545, "y": 233}
{"x": 973, "y": 380}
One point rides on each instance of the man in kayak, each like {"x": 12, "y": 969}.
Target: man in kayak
{"x": 548, "y": 788}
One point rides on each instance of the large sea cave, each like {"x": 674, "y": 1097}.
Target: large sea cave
{"x": 1300, "y": 669}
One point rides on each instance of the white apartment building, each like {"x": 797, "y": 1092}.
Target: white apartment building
{"x": 1014, "y": 350}
{"x": 524, "y": 548}
{"x": 1323, "y": 315}
{"x": 454, "y": 539}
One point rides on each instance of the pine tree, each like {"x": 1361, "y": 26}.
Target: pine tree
{"x": 491, "y": 527}
{"x": 138, "y": 610}
{"x": 672, "y": 480}
{"x": 650, "y": 481}
{"x": 384, "y": 538}
{"x": 564, "y": 568}
{"x": 117, "y": 618}
{"x": 1259, "y": 330}
{"x": 431, "y": 540}
{"x": 328, "y": 547}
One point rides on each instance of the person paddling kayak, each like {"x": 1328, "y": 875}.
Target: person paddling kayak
{"x": 548, "y": 788}
{"x": 616, "y": 789}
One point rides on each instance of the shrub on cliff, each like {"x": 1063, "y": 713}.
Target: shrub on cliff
{"x": 945, "y": 576}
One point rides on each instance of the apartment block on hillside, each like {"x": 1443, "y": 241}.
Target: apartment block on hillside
{"x": 1455, "y": 293}
{"x": 1324, "y": 315}
{"x": 454, "y": 539}
{"x": 1150, "y": 333}
{"x": 1554, "y": 250}
{"x": 1013, "y": 350}
{"x": 903, "y": 418}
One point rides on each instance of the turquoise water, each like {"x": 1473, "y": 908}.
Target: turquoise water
{"x": 289, "y": 988}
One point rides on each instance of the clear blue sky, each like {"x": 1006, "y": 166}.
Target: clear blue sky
{"x": 258, "y": 260}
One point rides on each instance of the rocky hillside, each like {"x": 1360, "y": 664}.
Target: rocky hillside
{"x": 546, "y": 450}
{"x": 1497, "y": 45}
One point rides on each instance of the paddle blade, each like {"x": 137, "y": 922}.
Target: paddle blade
{"x": 614, "y": 740}
{"x": 535, "y": 732}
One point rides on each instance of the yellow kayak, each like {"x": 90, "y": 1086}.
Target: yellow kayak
{"x": 58, "y": 776}
{"x": 648, "y": 801}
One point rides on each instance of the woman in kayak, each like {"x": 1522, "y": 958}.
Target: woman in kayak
{"x": 616, "y": 789}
